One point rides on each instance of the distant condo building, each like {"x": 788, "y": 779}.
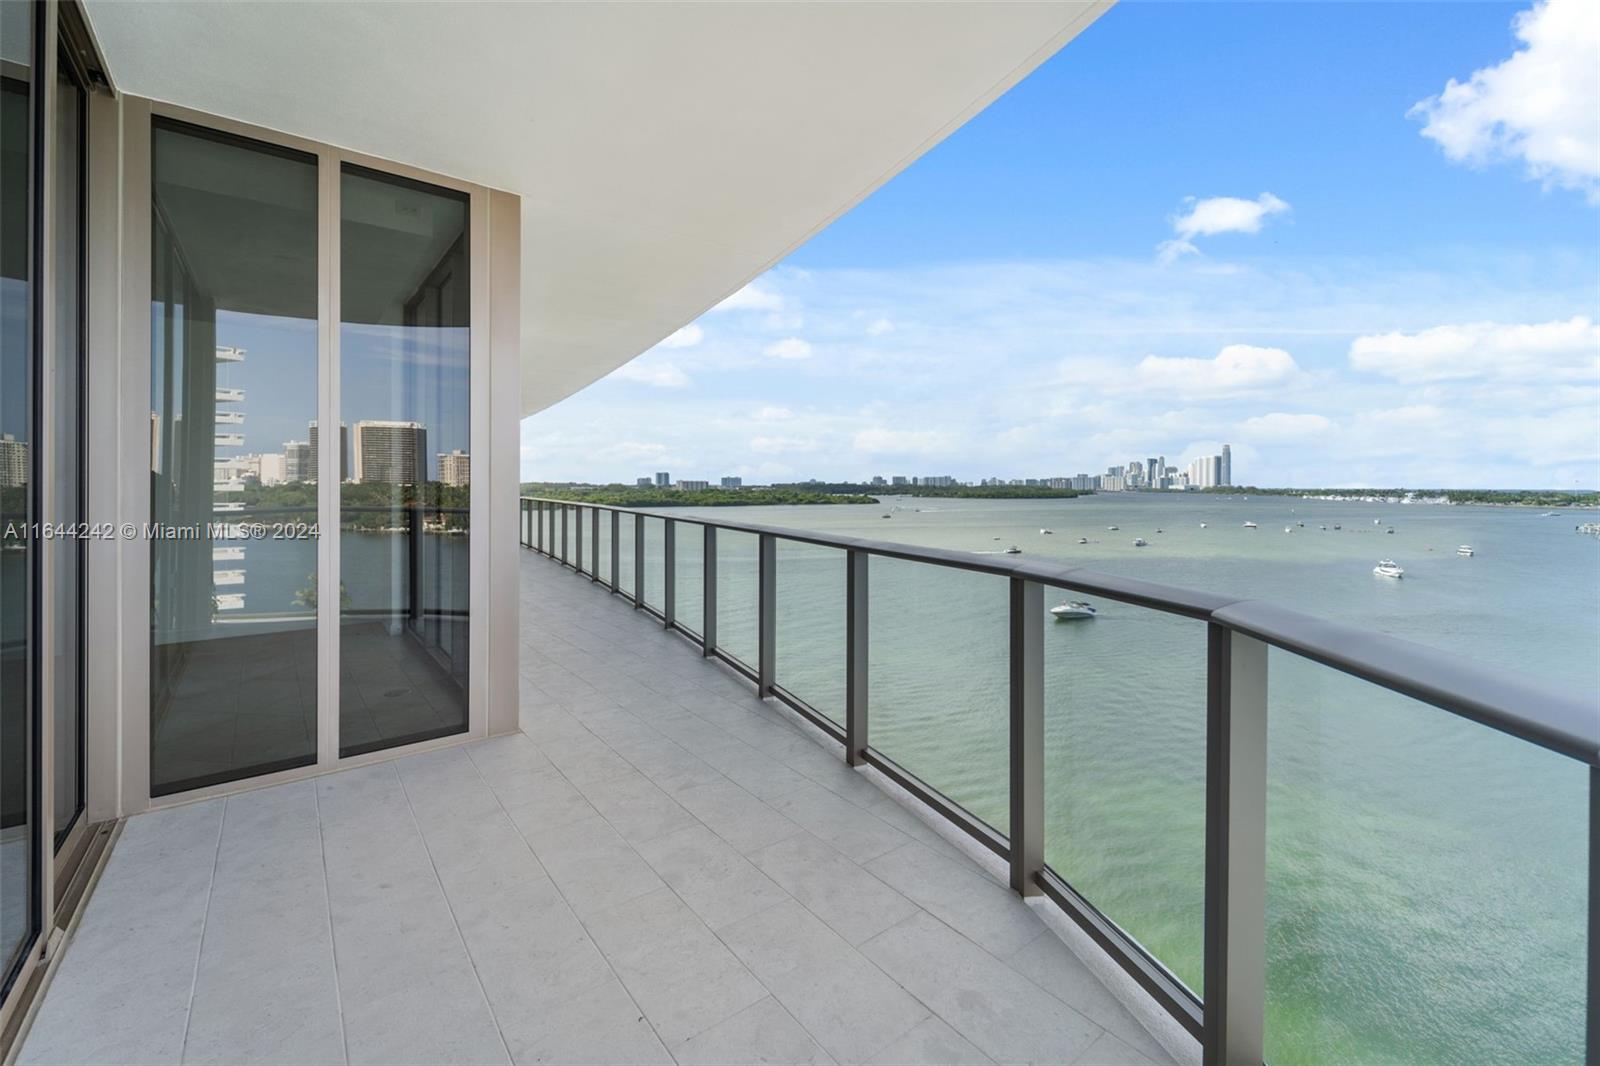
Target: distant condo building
{"x": 455, "y": 468}
{"x": 391, "y": 453}
{"x": 693, "y": 486}
{"x": 13, "y": 462}
{"x": 273, "y": 469}
{"x": 733, "y": 482}
{"x": 1227, "y": 465}
{"x": 344, "y": 453}
{"x": 297, "y": 461}
{"x": 644, "y": 483}
{"x": 663, "y": 479}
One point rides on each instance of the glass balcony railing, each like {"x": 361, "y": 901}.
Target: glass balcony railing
{"x": 1258, "y": 885}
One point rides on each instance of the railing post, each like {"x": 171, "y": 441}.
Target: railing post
{"x": 616, "y": 549}
{"x": 708, "y": 594}
{"x": 577, "y": 538}
{"x": 855, "y": 676}
{"x": 669, "y": 566}
{"x": 767, "y": 613}
{"x": 594, "y": 541}
{"x": 1236, "y": 849}
{"x": 1592, "y": 1034}
{"x": 538, "y": 526}
{"x": 1027, "y": 735}
{"x": 638, "y": 561}
{"x": 414, "y": 563}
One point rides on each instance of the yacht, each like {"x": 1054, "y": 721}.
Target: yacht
{"x": 1249, "y": 525}
{"x": 1013, "y": 550}
{"x": 1072, "y": 609}
{"x": 1465, "y": 549}
{"x": 1388, "y": 568}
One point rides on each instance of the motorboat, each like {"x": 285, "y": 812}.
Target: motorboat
{"x": 1388, "y": 568}
{"x": 1337, "y": 526}
{"x": 1139, "y": 542}
{"x": 1250, "y": 525}
{"x": 1389, "y": 530}
{"x": 1073, "y": 609}
{"x": 1300, "y": 524}
{"x": 1112, "y": 528}
{"x": 1160, "y": 531}
{"x": 1377, "y": 521}
{"x": 888, "y": 516}
{"x": 1083, "y": 540}
{"x": 1202, "y": 525}
{"x": 1013, "y": 550}
{"x": 1288, "y": 529}
{"x": 1465, "y": 549}
{"x": 1046, "y": 532}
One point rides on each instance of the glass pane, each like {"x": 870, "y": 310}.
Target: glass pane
{"x": 625, "y": 553}
{"x": 1125, "y": 770}
{"x": 568, "y": 534}
{"x": 738, "y": 587}
{"x": 1426, "y": 882}
{"x": 689, "y": 588}
{"x": 939, "y": 680}
{"x": 67, "y": 368}
{"x": 18, "y": 877}
{"x": 233, "y": 670}
{"x": 655, "y": 579}
{"x": 404, "y": 365}
{"x": 602, "y": 559}
{"x": 811, "y": 623}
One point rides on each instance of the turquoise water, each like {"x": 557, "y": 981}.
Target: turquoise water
{"x": 1426, "y": 876}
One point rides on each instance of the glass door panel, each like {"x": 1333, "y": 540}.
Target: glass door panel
{"x": 404, "y": 534}
{"x": 233, "y": 403}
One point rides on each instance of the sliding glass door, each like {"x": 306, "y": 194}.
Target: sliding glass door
{"x": 233, "y": 484}
{"x": 404, "y": 368}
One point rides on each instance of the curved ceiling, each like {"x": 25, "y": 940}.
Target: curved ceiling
{"x": 666, "y": 153}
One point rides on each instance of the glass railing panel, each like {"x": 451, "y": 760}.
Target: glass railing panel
{"x": 688, "y": 590}
{"x": 938, "y": 695}
{"x": 811, "y": 625}
{"x": 602, "y": 543}
{"x": 625, "y": 567}
{"x": 567, "y": 535}
{"x": 738, "y": 591}
{"x": 1125, "y": 769}
{"x": 1426, "y": 882}
{"x": 655, "y": 573}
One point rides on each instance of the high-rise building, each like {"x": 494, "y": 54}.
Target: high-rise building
{"x": 344, "y": 453}
{"x": 391, "y": 453}
{"x": 733, "y": 482}
{"x": 297, "y": 461}
{"x": 898, "y": 480}
{"x": 693, "y": 486}
{"x": 1227, "y": 466}
{"x": 663, "y": 479}
{"x": 1152, "y": 472}
{"x": 13, "y": 462}
{"x": 455, "y": 467}
{"x": 644, "y": 483}
{"x": 273, "y": 468}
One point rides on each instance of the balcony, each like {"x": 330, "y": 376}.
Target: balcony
{"x": 662, "y": 867}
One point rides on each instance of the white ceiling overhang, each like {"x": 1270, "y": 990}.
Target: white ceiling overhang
{"x": 666, "y": 153}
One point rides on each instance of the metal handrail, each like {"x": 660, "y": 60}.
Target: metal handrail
{"x": 1230, "y": 1021}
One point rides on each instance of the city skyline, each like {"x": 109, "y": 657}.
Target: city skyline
{"x": 1377, "y": 270}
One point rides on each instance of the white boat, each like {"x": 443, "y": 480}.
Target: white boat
{"x": 1388, "y": 568}
{"x": 1083, "y": 540}
{"x": 1046, "y": 532}
{"x": 1072, "y": 609}
{"x": 1013, "y": 550}
{"x": 1288, "y": 529}
{"x": 1112, "y": 528}
{"x": 1139, "y": 542}
{"x": 1389, "y": 530}
{"x": 1202, "y": 525}
{"x": 1250, "y": 525}
{"x": 1465, "y": 549}
{"x": 1377, "y": 521}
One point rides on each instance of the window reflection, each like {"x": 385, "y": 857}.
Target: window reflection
{"x": 404, "y": 353}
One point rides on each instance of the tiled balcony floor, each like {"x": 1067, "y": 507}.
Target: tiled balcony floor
{"x": 662, "y": 868}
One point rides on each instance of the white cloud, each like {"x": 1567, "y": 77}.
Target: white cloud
{"x": 773, "y": 414}
{"x": 1214, "y": 215}
{"x": 782, "y": 445}
{"x": 1541, "y": 352}
{"x": 661, "y": 374}
{"x": 1282, "y": 426}
{"x": 880, "y": 441}
{"x": 1237, "y": 368}
{"x": 788, "y": 348}
{"x": 687, "y": 337}
{"x": 1539, "y": 106}
{"x": 752, "y": 298}
{"x": 879, "y": 327}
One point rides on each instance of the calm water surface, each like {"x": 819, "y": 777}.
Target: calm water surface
{"x": 1425, "y": 875}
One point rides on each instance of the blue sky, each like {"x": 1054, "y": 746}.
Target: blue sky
{"x": 1359, "y": 242}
